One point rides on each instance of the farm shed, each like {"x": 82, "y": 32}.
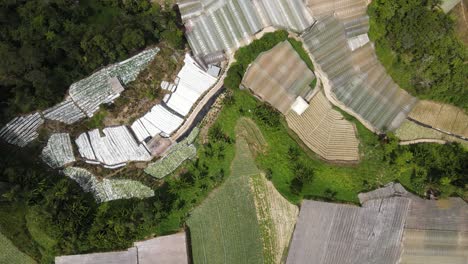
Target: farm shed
{"x": 325, "y": 131}
{"x": 226, "y": 25}
{"x": 170, "y": 249}
{"x": 392, "y": 226}
{"x": 443, "y": 117}
{"x": 22, "y": 129}
{"x": 66, "y": 112}
{"x": 59, "y": 151}
{"x": 279, "y": 76}
{"x": 113, "y": 150}
{"x": 192, "y": 82}
{"x": 365, "y": 89}
{"x": 105, "y": 85}
{"x": 107, "y": 189}
{"x": 128, "y": 256}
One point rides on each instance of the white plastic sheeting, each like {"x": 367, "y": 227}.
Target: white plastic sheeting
{"x": 98, "y": 88}
{"x": 22, "y": 129}
{"x": 193, "y": 82}
{"x": 66, "y": 112}
{"x": 158, "y": 120}
{"x": 107, "y": 189}
{"x": 58, "y": 151}
{"x": 358, "y": 41}
{"x": 113, "y": 150}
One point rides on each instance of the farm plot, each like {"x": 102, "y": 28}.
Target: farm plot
{"x": 178, "y": 153}
{"x": 276, "y": 217}
{"x": 245, "y": 220}
{"x": 11, "y": 254}
{"x": 410, "y": 132}
{"x": 225, "y": 229}
{"x": 325, "y": 131}
{"x": 445, "y": 117}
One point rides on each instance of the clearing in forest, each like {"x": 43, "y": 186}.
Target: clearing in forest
{"x": 230, "y": 226}
{"x": 9, "y": 253}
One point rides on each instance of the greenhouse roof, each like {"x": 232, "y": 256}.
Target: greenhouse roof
{"x": 363, "y": 86}
{"x": 392, "y": 226}
{"x": 226, "y": 25}
{"x": 279, "y": 76}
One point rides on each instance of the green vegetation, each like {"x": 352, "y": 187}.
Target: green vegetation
{"x": 177, "y": 154}
{"x": 298, "y": 173}
{"x": 10, "y": 254}
{"x": 47, "y": 45}
{"x": 247, "y": 54}
{"x": 225, "y": 229}
{"x": 416, "y": 43}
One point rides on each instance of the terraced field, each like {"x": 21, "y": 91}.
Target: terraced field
{"x": 10, "y": 254}
{"x": 410, "y": 132}
{"x": 325, "y": 131}
{"x": 441, "y": 116}
{"x": 245, "y": 220}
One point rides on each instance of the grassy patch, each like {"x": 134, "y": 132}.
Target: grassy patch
{"x": 330, "y": 181}
{"x": 224, "y": 229}
{"x": 13, "y": 216}
{"x": 10, "y": 254}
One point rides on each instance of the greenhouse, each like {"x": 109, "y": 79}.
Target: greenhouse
{"x": 66, "y": 112}
{"x": 325, "y": 131}
{"x": 279, "y": 76}
{"x": 59, "y": 151}
{"x": 105, "y": 85}
{"x": 178, "y": 153}
{"x": 113, "y": 150}
{"x": 366, "y": 89}
{"x": 226, "y": 25}
{"x": 392, "y": 226}
{"x": 108, "y": 189}
{"x": 192, "y": 82}
{"x": 22, "y": 129}
{"x": 159, "y": 119}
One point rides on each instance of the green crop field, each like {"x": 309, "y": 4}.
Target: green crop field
{"x": 10, "y": 254}
{"x": 224, "y": 228}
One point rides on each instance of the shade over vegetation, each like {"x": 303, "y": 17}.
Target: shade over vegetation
{"x": 325, "y": 131}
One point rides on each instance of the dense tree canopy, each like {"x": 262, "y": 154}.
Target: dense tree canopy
{"x": 47, "y": 45}
{"x": 415, "y": 41}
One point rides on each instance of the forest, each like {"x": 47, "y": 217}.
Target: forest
{"x": 416, "y": 43}
{"x": 47, "y": 45}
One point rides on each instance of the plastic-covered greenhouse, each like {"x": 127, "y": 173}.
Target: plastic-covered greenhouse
{"x": 356, "y": 79}
{"x": 224, "y": 25}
